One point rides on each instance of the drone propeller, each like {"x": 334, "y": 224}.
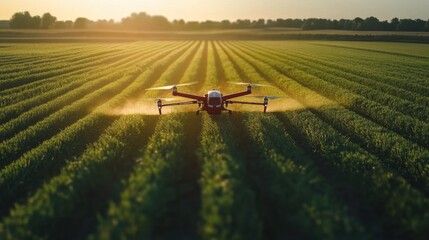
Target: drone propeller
{"x": 251, "y": 84}
{"x": 162, "y": 99}
{"x": 269, "y": 97}
{"x": 171, "y": 86}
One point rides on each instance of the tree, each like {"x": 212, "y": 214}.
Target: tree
{"x": 426, "y": 28}
{"x": 411, "y": 25}
{"x": 139, "y": 21}
{"x": 24, "y": 20}
{"x": 48, "y": 20}
{"x": 371, "y": 24}
{"x": 357, "y": 23}
{"x": 81, "y": 23}
{"x": 260, "y": 23}
{"x": 159, "y": 23}
{"x": 394, "y": 24}
{"x": 21, "y": 20}
{"x": 35, "y": 22}
{"x": 63, "y": 24}
{"x": 178, "y": 24}
{"x": 225, "y": 24}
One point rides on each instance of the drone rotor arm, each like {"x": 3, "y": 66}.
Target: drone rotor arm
{"x": 179, "y": 103}
{"x": 234, "y": 95}
{"x": 186, "y": 95}
{"x": 242, "y": 102}
{"x": 265, "y": 103}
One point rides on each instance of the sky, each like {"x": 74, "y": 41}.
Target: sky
{"x": 200, "y": 10}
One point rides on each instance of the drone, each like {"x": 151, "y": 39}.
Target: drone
{"x": 213, "y": 102}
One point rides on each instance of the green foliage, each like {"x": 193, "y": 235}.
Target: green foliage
{"x": 404, "y": 156}
{"x": 148, "y": 190}
{"x": 228, "y": 207}
{"x": 81, "y": 23}
{"x": 65, "y": 195}
{"x": 344, "y": 157}
{"x": 48, "y": 20}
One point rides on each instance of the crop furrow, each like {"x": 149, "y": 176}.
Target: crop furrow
{"x": 339, "y": 69}
{"x": 29, "y": 90}
{"x": 34, "y": 66}
{"x": 408, "y": 159}
{"x": 370, "y": 71}
{"x": 32, "y": 136}
{"x": 293, "y": 196}
{"x": 341, "y": 80}
{"x": 94, "y": 79}
{"x": 393, "y": 201}
{"x": 22, "y": 59}
{"x": 150, "y": 189}
{"x": 228, "y": 208}
{"x": 48, "y": 156}
{"x": 421, "y": 58}
{"x": 48, "y": 66}
{"x": 82, "y": 186}
{"x": 390, "y": 67}
{"x": 408, "y": 127}
{"x": 57, "y": 70}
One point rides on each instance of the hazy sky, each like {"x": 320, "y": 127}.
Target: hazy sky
{"x": 220, "y": 9}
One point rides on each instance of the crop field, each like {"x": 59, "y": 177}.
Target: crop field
{"x": 85, "y": 155}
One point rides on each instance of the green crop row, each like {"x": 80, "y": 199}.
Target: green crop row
{"x": 283, "y": 166}
{"x": 352, "y": 164}
{"x": 25, "y": 140}
{"x": 84, "y": 84}
{"x": 227, "y": 65}
{"x": 369, "y": 62}
{"x": 408, "y": 127}
{"x": 31, "y": 85}
{"x": 297, "y": 198}
{"x": 59, "y": 67}
{"x": 368, "y": 88}
{"x": 398, "y": 68}
{"x": 47, "y": 65}
{"x": 194, "y": 68}
{"x": 24, "y": 62}
{"x": 172, "y": 75}
{"x": 27, "y": 91}
{"x": 383, "y": 199}
{"x": 349, "y": 68}
{"x": 40, "y": 109}
{"x": 43, "y": 159}
{"x": 211, "y": 80}
{"x": 370, "y": 71}
{"x": 228, "y": 209}
{"x": 404, "y": 157}
{"x": 47, "y": 213}
{"x": 149, "y": 190}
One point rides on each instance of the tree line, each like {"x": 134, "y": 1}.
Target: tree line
{"x": 24, "y": 20}
{"x": 144, "y": 21}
